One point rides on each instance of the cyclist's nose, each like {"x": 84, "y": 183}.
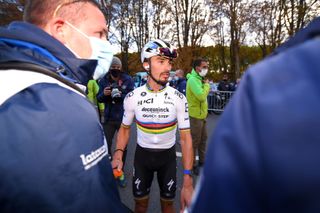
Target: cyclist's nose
{"x": 168, "y": 66}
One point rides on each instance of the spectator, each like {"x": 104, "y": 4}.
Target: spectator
{"x": 92, "y": 91}
{"x": 144, "y": 80}
{"x": 224, "y": 85}
{"x": 180, "y": 81}
{"x": 197, "y": 91}
{"x": 113, "y": 89}
{"x": 264, "y": 154}
{"x": 52, "y": 150}
{"x": 235, "y": 86}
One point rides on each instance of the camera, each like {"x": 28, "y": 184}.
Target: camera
{"x": 115, "y": 92}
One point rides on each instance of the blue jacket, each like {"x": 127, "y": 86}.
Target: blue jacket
{"x": 264, "y": 153}
{"x": 113, "y": 110}
{"x": 181, "y": 85}
{"x": 53, "y": 154}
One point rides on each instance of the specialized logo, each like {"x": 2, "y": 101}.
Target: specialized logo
{"x": 170, "y": 184}
{"x": 168, "y": 102}
{"x": 147, "y": 101}
{"x": 137, "y": 182}
{"x": 143, "y": 94}
{"x": 92, "y": 159}
{"x": 165, "y": 95}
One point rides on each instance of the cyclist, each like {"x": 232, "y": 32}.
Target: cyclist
{"x": 158, "y": 109}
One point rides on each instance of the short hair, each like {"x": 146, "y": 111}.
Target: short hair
{"x": 39, "y": 12}
{"x": 198, "y": 62}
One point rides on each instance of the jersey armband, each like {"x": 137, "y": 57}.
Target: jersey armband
{"x": 125, "y": 126}
{"x": 185, "y": 129}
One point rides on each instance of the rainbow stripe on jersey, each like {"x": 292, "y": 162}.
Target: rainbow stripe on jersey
{"x": 156, "y": 128}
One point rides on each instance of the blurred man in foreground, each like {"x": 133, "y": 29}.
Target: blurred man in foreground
{"x": 53, "y": 151}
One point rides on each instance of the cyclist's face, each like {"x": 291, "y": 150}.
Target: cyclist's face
{"x": 161, "y": 67}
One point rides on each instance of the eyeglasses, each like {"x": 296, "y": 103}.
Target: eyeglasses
{"x": 168, "y": 52}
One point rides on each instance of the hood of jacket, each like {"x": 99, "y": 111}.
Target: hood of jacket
{"x": 24, "y": 42}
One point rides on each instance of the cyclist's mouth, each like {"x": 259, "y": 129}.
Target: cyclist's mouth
{"x": 165, "y": 75}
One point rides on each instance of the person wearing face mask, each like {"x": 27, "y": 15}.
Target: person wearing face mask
{"x": 53, "y": 153}
{"x": 225, "y": 85}
{"x": 114, "y": 86}
{"x": 197, "y": 91}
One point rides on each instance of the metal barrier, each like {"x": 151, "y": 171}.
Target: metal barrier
{"x": 217, "y": 101}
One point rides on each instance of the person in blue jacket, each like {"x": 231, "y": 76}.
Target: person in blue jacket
{"x": 264, "y": 153}
{"x": 53, "y": 153}
{"x": 113, "y": 88}
{"x": 180, "y": 81}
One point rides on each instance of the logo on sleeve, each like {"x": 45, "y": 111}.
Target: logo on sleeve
{"x": 94, "y": 157}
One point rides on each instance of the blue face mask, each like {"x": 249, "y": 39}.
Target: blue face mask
{"x": 101, "y": 51}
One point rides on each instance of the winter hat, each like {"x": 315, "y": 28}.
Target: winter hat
{"x": 116, "y": 61}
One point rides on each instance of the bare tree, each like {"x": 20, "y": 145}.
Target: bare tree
{"x": 191, "y": 20}
{"x": 237, "y": 13}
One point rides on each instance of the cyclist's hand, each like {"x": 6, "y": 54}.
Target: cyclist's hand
{"x": 117, "y": 164}
{"x": 186, "y": 194}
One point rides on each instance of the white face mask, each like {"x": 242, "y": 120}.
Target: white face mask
{"x": 101, "y": 51}
{"x": 203, "y": 72}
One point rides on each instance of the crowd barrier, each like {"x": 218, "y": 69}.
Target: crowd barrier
{"x": 217, "y": 101}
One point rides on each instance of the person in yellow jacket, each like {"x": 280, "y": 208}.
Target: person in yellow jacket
{"x": 197, "y": 91}
{"x": 92, "y": 91}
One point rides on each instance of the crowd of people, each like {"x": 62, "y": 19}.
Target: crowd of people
{"x": 62, "y": 103}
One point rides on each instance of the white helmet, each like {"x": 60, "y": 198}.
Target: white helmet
{"x": 158, "y": 47}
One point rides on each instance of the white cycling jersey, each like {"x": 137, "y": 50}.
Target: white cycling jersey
{"x": 157, "y": 115}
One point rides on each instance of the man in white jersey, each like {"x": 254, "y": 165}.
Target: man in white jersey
{"x": 158, "y": 110}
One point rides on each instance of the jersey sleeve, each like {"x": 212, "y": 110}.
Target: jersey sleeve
{"x": 182, "y": 111}
{"x": 128, "y": 106}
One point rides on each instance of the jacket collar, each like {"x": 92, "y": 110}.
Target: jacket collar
{"x": 81, "y": 70}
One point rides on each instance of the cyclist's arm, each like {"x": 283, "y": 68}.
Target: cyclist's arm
{"x": 122, "y": 142}
{"x": 124, "y": 131}
{"x": 187, "y": 151}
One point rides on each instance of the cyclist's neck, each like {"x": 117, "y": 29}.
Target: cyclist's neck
{"x": 154, "y": 86}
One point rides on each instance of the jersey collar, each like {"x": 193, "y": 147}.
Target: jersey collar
{"x": 149, "y": 89}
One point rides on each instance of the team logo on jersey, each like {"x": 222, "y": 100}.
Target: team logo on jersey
{"x": 168, "y": 102}
{"x": 155, "y": 110}
{"x": 143, "y": 94}
{"x": 147, "y": 101}
{"x": 130, "y": 94}
{"x": 179, "y": 94}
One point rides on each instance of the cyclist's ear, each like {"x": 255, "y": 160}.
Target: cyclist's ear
{"x": 146, "y": 66}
